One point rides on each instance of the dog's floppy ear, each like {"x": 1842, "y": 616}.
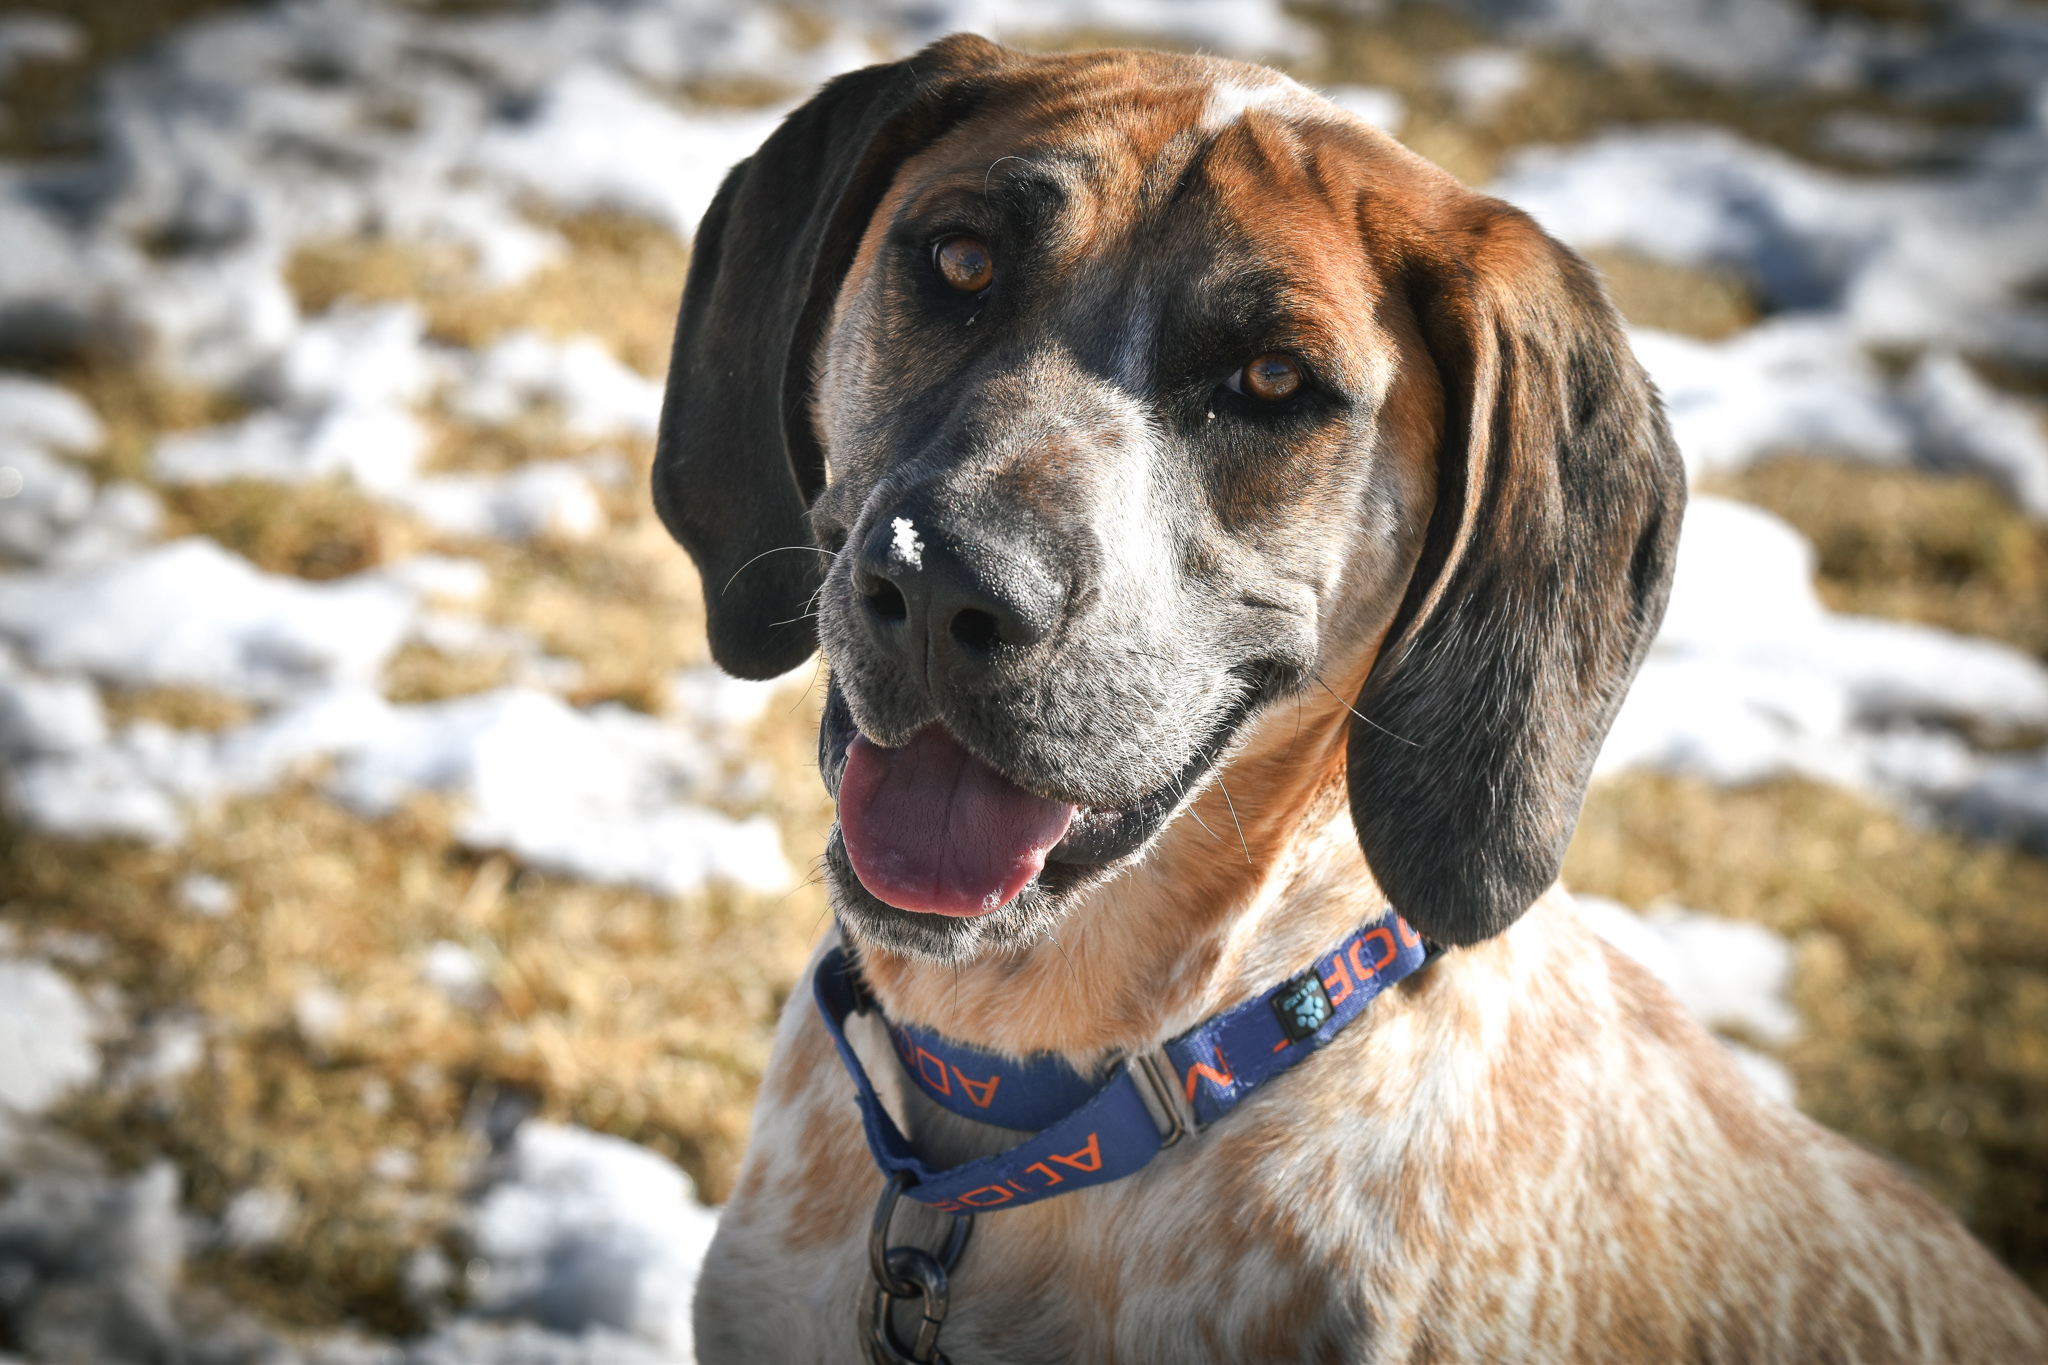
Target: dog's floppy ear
{"x": 1542, "y": 578}
{"x": 736, "y": 463}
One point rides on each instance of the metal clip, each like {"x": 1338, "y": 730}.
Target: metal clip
{"x": 1157, "y": 1085}
{"x": 918, "y": 1273}
{"x": 900, "y": 1272}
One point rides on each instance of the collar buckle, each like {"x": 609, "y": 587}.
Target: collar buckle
{"x": 1156, "y": 1079}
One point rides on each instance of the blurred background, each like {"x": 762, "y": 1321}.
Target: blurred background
{"x": 395, "y": 904}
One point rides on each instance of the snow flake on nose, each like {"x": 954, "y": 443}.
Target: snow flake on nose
{"x": 906, "y": 546}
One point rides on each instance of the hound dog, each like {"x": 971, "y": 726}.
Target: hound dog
{"x": 1221, "y": 526}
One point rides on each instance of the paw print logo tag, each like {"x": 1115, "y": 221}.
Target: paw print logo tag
{"x": 1303, "y": 1006}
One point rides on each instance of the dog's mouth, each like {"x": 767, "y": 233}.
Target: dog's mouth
{"x": 932, "y": 829}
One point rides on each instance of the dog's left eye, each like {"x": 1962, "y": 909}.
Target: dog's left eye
{"x": 965, "y": 263}
{"x": 1268, "y": 378}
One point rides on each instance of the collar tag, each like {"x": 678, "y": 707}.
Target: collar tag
{"x": 1303, "y": 1006}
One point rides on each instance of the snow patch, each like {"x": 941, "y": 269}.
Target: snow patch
{"x": 1750, "y": 676}
{"x": 1726, "y": 39}
{"x": 1965, "y": 424}
{"x": 1480, "y": 79}
{"x": 598, "y": 140}
{"x": 595, "y": 393}
{"x": 46, "y": 1037}
{"x": 456, "y": 972}
{"x": 1732, "y": 976}
{"x": 714, "y": 699}
{"x": 206, "y": 895}
{"x": 37, "y": 37}
{"x": 450, "y": 579}
{"x": 37, "y": 412}
{"x": 545, "y": 498}
{"x": 602, "y": 793}
{"x": 342, "y": 389}
{"x": 1384, "y": 109}
{"x": 2007, "y": 798}
{"x": 257, "y": 1218}
{"x": 193, "y": 614}
{"x": 1793, "y": 383}
{"x": 92, "y": 1263}
{"x": 170, "y": 1045}
{"x": 41, "y": 715}
{"x": 1900, "y": 261}
{"x": 587, "y": 1231}
{"x": 1243, "y": 28}
{"x": 377, "y": 447}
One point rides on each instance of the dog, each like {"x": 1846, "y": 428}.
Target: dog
{"x": 1220, "y": 526}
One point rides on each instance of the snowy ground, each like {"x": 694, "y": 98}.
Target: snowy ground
{"x": 247, "y": 138}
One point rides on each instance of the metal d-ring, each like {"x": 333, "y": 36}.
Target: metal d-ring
{"x": 899, "y": 1273}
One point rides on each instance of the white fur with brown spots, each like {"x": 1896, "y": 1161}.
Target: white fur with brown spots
{"x": 1527, "y": 1151}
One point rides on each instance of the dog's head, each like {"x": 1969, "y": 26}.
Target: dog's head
{"x": 1084, "y": 406}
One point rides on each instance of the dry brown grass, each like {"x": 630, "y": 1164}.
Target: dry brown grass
{"x": 1570, "y": 96}
{"x": 1922, "y": 972}
{"x": 537, "y": 434}
{"x": 322, "y": 530}
{"x": 2017, "y": 374}
{"x": 421, "y": 673}
{"x": 625, "y": 606}
{"x": 138, "y": 407}
{"x": 181, "y": 708}
{"x": 44, "y": 105}
{"x": 632, "y": 1013}
{"x": 1708, "y": 304}
{"x": 620, "y": 283}
{"x": 1949, "y": 551}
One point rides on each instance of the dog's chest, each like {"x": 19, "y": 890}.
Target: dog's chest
{"x": 1267, "y": 1237}
{"x": 1099, "y": 1276}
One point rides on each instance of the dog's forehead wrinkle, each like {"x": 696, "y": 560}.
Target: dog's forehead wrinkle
{"x": 1045, "y": 201}
{"x": 1136, "y": 340}
{"x": 988, "y": 174}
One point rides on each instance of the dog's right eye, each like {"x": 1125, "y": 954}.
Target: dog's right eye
{"x": 1269, "y": 378}
{"x": 965, "y": 263}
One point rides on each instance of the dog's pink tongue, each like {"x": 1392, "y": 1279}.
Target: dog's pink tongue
{"x": 930, "y": 827}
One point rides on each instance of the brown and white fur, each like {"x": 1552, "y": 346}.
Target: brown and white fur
{"x": 1423, "y": 598}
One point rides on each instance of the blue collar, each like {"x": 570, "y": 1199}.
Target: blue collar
{"x": 1089, "y": 1131}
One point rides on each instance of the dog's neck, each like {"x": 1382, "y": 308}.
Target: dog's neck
{"x": 1246, "y": 888}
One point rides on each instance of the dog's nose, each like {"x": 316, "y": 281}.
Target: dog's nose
{"x": 929, "y": 592}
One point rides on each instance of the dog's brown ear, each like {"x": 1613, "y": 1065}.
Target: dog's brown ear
{"x": 736, "y": 463}
{"x": 1542, "y": 578}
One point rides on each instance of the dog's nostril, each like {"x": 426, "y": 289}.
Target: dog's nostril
{"x": 885, "y": 601}
{"x": 977, "y": 630}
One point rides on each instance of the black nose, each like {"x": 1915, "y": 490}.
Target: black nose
{"x": 930, "y": 592}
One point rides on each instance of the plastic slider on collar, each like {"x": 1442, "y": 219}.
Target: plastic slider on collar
{"x": 1159, "y": 1088}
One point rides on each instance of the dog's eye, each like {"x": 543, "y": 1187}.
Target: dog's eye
{"x": 1269, "y": 378}
{"x": 965, "y": 263}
